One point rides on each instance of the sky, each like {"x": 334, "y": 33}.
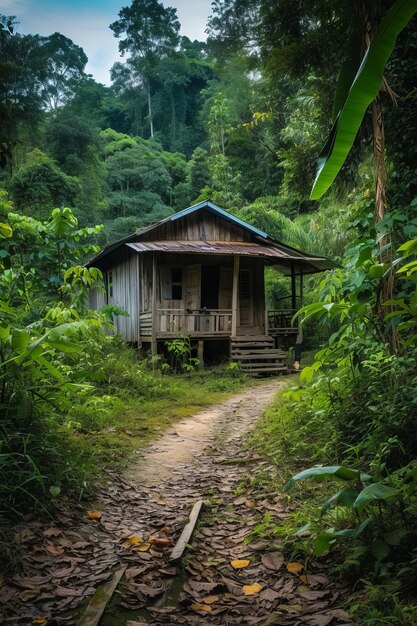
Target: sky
{"x": 87, "y": 24}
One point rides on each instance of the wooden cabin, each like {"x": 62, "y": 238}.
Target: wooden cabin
{"x": 200, "y": 273}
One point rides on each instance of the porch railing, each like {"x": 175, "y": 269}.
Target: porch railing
{"x": 174, "y": 321}
{"x": 279, "y": 321}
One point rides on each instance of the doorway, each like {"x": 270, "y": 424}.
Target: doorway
{"x": 210, "y": 286}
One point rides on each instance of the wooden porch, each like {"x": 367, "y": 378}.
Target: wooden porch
{"x": 211, "y": 323}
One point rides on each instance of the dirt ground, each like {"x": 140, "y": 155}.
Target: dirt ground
{"x": 138, "y": 519}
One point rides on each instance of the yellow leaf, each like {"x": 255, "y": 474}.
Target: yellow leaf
{"x": 210, "y": 599}
{"x": 251, "y": 590}
{"x": 40, "y": 620}
{"x": 239, "y": 563}
{"x": 95, "y": 515}
{"x": 250, "y": 504}
{"x": 201, "y": 608}
{"x": 143, "y": 547}
{"x": 304, "y": 579}
{"x": 159, "y": 500}
{"x": 294, "y": 568}
{"x": 132, "y": 541}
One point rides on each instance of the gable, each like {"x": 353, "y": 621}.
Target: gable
{"x": 202, "y": 225}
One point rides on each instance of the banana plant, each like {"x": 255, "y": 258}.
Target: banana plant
{"x": 356, "y": 91}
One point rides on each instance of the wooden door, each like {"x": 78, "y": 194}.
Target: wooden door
{"x": 192, "y": 286}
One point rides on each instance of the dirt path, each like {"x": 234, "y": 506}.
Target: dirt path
{"x": 183, "y": 444}
{"x": 142, "y": 515}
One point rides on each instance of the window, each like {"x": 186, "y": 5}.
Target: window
{"x": 109, "y": 284}
{"x": 176, "y": 279}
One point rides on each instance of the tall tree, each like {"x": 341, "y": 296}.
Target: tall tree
{"x": 151, "y": 33}
{"x": 65, "y": 65}
{"x": 22, "y": 71}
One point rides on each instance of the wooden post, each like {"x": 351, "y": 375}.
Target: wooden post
{"x": 293, "y": 289}
{"x": 235, "y": 294}
{"x": 138, "y": 292}
{"x": 200, "y": 354}
{"x": 265, "y": 306}
{"x": 154, "y": 305}
{"x": 301, "y": 287}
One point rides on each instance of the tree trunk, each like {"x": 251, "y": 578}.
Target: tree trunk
{"x": 386, "y": 292}
{"x": 150, "y": 107}
{"x": 379, "y": 161}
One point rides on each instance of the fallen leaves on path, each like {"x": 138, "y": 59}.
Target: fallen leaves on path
{"x": 62, "y": 564}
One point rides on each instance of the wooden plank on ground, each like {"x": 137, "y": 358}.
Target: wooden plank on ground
{"x": 100, "y": 599}
{"x": 188, "y": 529}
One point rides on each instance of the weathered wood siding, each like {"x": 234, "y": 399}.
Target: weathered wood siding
{"x": 125, "y": 293}
{"x": 96, "y": 299}
{"x": 201, "y": 226}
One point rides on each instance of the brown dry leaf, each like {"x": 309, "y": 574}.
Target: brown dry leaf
{"x": 2, "y": 580}
{"x": 250, "y": 504}
{"x": 143, "y": 547}
{"x": 251, "y": 590}
{"x": 201, "y": 608}
{"x": 52, "y": 532}
{"x": 160, "y": 541}
{"x": 29, "y": 594}
{"x": 55, "y": 549}
{"x": 239, "y": 563}
{"x": 94, "y": 515}
{"x": 291, "y": 608}
{"x": 273, "y": 560}
{"x": 210, "y": 599}
{"x": 132, "y": 541}
{"x": 295, "y": 568}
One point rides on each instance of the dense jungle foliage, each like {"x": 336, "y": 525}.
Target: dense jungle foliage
{"x": 239, "y": 119}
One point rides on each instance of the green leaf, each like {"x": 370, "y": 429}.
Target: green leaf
{"x": 375, "y": 491}
{"x": 345, "y": 497}
{"x": 68, "y": 347}
{"x": 20, "y": 340}
{"x": 323, "y": 542}
{"x": 5, "y": 230}
{"x": 347, "y": 72}
{"x": 54, "y": 491}
{"x": 320, "y": 473}
{"x": 4, "y": 332}
{"x": 380, "y": 549}
{"x": 362, "y": 92}
{"x": 378, "y": 270}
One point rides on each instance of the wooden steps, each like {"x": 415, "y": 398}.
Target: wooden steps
{"x": 257, "y": 355}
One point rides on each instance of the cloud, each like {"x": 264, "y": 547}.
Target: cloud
{"x": 13, "y": 7}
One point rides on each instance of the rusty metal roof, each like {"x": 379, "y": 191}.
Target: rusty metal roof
{"x": 275, "y": 255}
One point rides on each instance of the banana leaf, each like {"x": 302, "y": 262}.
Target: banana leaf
{"x": 362, "y": 92}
